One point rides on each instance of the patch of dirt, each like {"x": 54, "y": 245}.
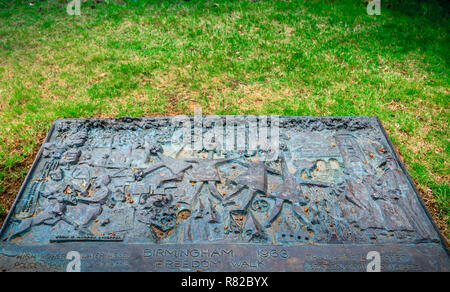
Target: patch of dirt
{"x": 430, "y": 201}
{"x": 400, "y": 154}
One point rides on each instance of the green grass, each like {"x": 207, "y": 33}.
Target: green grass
{"x": 230, "y": 57}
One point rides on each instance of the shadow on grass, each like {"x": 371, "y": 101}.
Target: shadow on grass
{"x": 433, "y": 10}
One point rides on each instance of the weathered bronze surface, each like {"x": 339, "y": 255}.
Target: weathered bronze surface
{"x": 127, "y": 196}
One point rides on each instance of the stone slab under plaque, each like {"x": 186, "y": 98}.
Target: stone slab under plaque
{"x": 138, "y": 194}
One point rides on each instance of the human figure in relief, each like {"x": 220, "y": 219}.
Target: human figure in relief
{"x": 291, "y": 192}
{"x": 56, "y": 201}
{"x": 404, "y": 209}
{"x": 94, "y": 205}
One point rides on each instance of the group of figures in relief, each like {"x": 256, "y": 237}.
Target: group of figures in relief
{"x": 137, "y": 186}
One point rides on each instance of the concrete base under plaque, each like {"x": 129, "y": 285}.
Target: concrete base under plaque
{"x": 259, "y": 194}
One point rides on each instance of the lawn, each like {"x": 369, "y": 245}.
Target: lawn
{"x": 142, "y": 58}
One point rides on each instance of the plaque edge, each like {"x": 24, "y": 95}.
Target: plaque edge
{"x": 376, "y": 119}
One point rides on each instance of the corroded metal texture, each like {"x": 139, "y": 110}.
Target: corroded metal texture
{"x": 128, "y": 196}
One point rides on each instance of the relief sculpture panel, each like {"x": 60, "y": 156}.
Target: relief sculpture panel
{"x": 330, "y": 180}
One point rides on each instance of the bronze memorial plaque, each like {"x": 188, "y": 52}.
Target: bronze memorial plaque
{"x": 219, "y": 193}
